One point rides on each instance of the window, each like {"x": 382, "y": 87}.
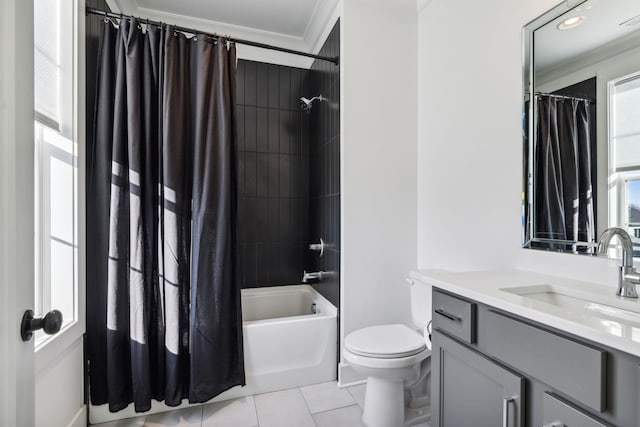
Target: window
{"x": 624, "y": 124}
{"x": 56, "y": 237}
{"x": 633, "y": 205}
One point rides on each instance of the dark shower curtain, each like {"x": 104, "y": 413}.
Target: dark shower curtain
{"x": 163, "y": 307}
{"x": 564, "y": 207}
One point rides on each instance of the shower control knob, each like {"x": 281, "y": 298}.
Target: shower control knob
{"x": 50, "y": 324}
{"x": 318, "y": 246}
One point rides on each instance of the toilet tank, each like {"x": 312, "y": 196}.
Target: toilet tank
{"x": 420, "y": 303}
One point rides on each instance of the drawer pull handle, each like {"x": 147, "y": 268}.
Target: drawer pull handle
{"x": 449, "y": 316}
{"x": 505, "y": 410}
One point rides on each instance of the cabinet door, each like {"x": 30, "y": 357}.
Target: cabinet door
{"x": 469, "y": 389}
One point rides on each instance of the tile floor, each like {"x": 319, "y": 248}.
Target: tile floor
{"x": 318, "y": 405}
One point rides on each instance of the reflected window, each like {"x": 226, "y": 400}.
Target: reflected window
{"x": 625, "y": 126}
{"x": 633, "y": 206}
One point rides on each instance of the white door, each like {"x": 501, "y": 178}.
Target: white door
{"x": 41, "y": 380}
{"x": 16, "y": 214}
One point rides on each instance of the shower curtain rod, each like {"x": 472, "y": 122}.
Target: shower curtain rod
{"x": 562, "y": 96}
{"x": 335, "y": 60}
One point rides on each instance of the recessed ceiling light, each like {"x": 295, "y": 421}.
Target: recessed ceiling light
{"x": 571, "y": 23}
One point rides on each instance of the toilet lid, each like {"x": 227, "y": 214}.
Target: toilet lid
{"x": 385, "y": 341}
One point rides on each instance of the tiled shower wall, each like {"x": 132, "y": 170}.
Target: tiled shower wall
{"x": 273, "y": 159}
{"x": 289, "y": 172}
{"x": 324, "y": 127}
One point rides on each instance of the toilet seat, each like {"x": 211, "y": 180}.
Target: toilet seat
{"x": 385, "y": 342}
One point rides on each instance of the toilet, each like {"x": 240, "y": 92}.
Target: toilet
{"x": 397, "y": 363}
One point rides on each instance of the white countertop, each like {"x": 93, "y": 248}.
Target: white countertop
{"x": 487, "y": 287}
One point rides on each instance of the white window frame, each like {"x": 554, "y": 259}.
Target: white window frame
{"x": 51, "y": 349}
{"x": 45, "y": 153}
{"x": 618, "y": 212}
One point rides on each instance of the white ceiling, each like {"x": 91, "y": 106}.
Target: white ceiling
{"x": 289, "y": 17}
{"x": 600, "y": 27}
{"x": 293, "y": 24}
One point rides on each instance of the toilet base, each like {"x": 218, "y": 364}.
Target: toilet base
{"x": 384, "y": 403}
{"x": 414, "y": 416}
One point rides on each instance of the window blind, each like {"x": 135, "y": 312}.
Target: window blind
{"x": 47, "y": 63}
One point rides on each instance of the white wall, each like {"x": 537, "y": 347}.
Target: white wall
{"x": 470, "y": 143}
{"x": 378, "y": 168}
{"x": 59, "y": 390}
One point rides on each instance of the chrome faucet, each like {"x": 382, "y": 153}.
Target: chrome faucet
{"x": 628, "y": 277}
{"x": 312, "y": 276}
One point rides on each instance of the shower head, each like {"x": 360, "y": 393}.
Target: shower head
{"x": 307, "y": 103}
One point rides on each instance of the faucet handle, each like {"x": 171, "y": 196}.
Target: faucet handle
{"x": 318, "y": 247}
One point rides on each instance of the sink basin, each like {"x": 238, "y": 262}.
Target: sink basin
{"x": 618, "y": 316}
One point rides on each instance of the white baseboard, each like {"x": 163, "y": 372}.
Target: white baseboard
{"x": 348, "y": 377}
{"x": 80, "y": 419}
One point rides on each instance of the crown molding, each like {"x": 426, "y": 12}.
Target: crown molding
{"x": 322, "y": 20}
{"x": 222, "y": 28}
{"x": 113, "y": 6}
{"x": 121, "y": 6}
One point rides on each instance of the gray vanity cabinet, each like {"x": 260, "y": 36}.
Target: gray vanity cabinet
{"x": 557, "y": 413}
{"x": 492, "y": 368}
{"x": 471, "y": 390}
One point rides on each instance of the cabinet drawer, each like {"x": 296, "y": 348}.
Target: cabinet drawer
{"x": 556, "y": 413}
{"x": 575, "y": 369}
{"x": 455, "y": 316}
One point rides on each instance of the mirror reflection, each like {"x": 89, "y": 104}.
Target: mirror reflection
{"x": 582, "y": 125}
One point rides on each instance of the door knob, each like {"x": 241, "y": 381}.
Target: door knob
{"x": 50, "y": 324}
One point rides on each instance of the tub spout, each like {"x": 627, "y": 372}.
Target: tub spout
{"x": 312, "y": 276}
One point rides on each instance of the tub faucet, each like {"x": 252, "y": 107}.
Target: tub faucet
{"x": 310, "y": 276}
{"x": 628, "y": 277}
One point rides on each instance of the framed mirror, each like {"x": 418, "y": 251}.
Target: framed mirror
{"x": 581, "y": 125}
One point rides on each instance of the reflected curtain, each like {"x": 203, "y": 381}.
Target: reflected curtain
{"x": 163, "y": 307}
{"x": 564, "y": 205}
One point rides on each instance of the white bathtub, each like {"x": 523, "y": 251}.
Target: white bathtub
{"x": 286, "y": 345}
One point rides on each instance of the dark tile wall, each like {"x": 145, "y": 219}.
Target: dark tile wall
{"x": 273, "y": 168}
{"x": 324, "y": 186}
